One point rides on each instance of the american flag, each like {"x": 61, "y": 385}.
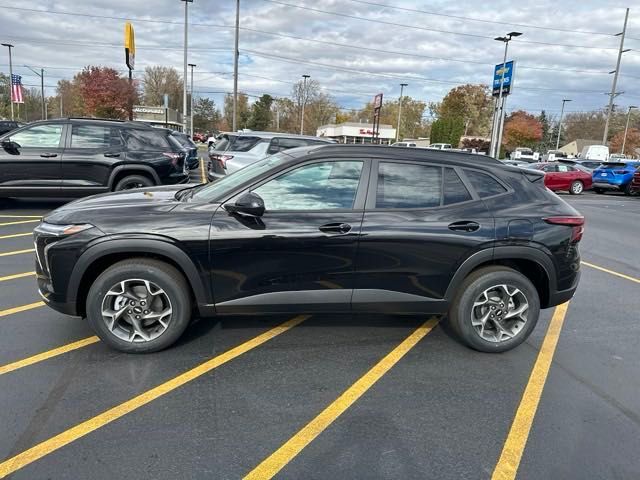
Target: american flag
{"x": 16, "y": 89}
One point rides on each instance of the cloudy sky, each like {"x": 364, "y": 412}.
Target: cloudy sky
{"x": 354, "y": 48}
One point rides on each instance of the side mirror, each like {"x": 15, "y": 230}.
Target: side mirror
{"x": 248, "y": 204}
{"x": 9, "y": 145}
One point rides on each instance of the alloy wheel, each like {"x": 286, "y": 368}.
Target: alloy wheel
{"x": 136, "y": 310}
{"x": 499, "y": 313}
{"x": 577, "y": 187}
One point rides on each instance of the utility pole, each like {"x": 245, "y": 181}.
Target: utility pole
{"x": 236, "y": 55}
{"x": 9, "y": 46}
{"x": 564, "y": 100}
{"x": 626, "y": 128}
{"x": 496, "y": 137}
{"x": 41, "y": 75}
{"x": 191, "y": 102}
{"x": 61, "y": 114}
{"x": 184, "y": 73}
{"x": 615, "y": 77}
{"x": 402, "y": 85}
{"x": 304, "y": 100}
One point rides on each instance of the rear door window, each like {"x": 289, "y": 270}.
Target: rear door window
{"x": 91, "y": 136}
{"x": 408, "y": 185}
{"x": 454, "y": 190}
{"x": 485, "y": 185}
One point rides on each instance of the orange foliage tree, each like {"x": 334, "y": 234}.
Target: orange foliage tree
{"x": 105, "y": 93}
{"x": 521, "y": 129}
{"x": 630, "y": 146}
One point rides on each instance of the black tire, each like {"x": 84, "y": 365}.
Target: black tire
{"x": 164, "y": 276}
{"x": 460, "y": 311}
{"x": 598, "y": 190}
{"x": 133, "y": 181}
{"x": 576, "y": 187}
{"x": 627, "y": 189}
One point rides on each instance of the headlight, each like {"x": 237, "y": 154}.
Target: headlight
{"x": 62, "y": 230}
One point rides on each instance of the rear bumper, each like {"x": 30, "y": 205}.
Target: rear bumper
{"x": 175, "y": 178}
{"x": 558, "y": 297}
{"x": 607, "y": 186}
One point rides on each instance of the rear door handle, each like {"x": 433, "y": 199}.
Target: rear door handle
{"x": 335, "y": 227}
{"x": 112, "y": 155}
{"x": 464, "y": 226}
{"x": 48, "y": 155}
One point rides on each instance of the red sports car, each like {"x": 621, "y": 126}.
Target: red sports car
{"x": 560, "y": 176}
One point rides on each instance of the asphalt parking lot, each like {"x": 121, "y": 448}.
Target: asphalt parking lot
{"x": 328, "y": 396}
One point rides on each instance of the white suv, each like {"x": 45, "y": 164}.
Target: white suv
{"x": 237, "y": 150}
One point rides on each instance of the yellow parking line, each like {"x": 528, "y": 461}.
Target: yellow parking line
{"x": 509, "y": 460}
{"x": 68, "y": 436}
{"x": 20, "y": 216}
{"x": 203, "y": 177}
{"x": 40, "y": 357}
{"x": 287, "y": 452}
{"x": 16, "y": 252}
{"x": 21, "y": 308}
{"x": 16, "y": 275}
{"x": 611, "y": 272}
{"x": 14, "y": 235}
{"x": 18, "y": 222}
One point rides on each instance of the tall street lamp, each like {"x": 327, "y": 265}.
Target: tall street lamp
{"x": 184, "y": 73}
{"x": 41, "y": 75}
{"x": 304, "y": 100}
{"x": 496, "y": 137}
{"x": 626, "y": 128}
{"x": 236, "y": 55}
{"x": 402, "y": 85}
{"x": 9, "y": 46}
{"x": 564, "y": 100}
{"x": 191, "y": 101}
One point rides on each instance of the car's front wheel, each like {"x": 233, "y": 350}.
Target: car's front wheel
{"x": 495, "y": 310}
{"x": 139, "y": 305}
{"x": 576, "y": 188}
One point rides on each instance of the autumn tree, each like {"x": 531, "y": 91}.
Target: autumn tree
{"x": 105, "y": 93}
{"x": 631, "y": 146}
{"x": 521, "y": 129}
{"x": 412, "y": 124}
{"x": 260, "y": 117}
{"x": 158, "y": 81}
{"x": 205, "y": 115}
{"x": 283, "y": 115}
{"x": 472, "y": 103}
{"x": 243, "y": 112}
{"x": 447, "y": 130}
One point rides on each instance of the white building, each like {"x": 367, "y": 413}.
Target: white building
{"x": 352, "y": 132}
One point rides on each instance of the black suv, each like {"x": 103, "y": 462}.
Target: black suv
{"x": 318, "y": 229}
{"x": 77, "y": 157}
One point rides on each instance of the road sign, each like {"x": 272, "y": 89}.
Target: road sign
{"x": 129, "y": 46}
{"x": 377, "y": 101}
{"x": 507, "y": 85}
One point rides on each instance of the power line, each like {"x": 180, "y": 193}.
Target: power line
{"x": 415, "y": 27}
{"x": 472, "y": 19}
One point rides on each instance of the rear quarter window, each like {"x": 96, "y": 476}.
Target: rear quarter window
{"x": 484, "y": 185}
{"x": 153, "y": 140}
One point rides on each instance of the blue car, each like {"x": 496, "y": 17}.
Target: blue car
{"x": 615, "y": 176}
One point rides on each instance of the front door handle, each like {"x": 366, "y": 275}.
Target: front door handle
{"x": 111, "y": 155}
{"x": 464, "y": 226}
{"x": 48, "y": 155}
{"x": 335, "y": 228}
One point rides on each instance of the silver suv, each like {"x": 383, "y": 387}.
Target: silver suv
{"x": 237, "y": 150}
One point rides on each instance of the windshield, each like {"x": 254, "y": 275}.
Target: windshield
{"x": 219, "y": 189}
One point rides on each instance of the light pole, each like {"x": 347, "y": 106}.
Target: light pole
{"x": 626, "y": 128}
{"x": 402, "y": 85}
{"x": 564, "y": 100}
{"x": 9, "y": 46}
{"x": 496, "y": 137}
{"x": 304, "y": 100}
{"x": 184, "y": 73}
{"x": 41, "y": 75}
{"x": 191, "y": 102}
{"x": 236, "y": 54}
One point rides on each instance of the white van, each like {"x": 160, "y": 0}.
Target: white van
{"x": 404, "y": 144}
{"x": 599, "y": 153}
{"x": 440, "y": 146}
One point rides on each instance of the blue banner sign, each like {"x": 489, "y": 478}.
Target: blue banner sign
{"x": 507, "y": 84}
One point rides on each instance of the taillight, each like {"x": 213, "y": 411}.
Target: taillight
{"x": 575, "y": 222}
{"x": 620, "y": 172}
{"x": 222, "y": 160}
{"x": 173, "y": 156}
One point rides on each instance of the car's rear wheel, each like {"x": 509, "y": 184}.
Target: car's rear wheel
{"x": 133, "y": 181}
{"x": 139, "y": 305}
{"x": 598, "y": 190}
{"x": 576, "y": 188}
{"x": 495, "y": 310}
{"x": 627, "y": 189}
